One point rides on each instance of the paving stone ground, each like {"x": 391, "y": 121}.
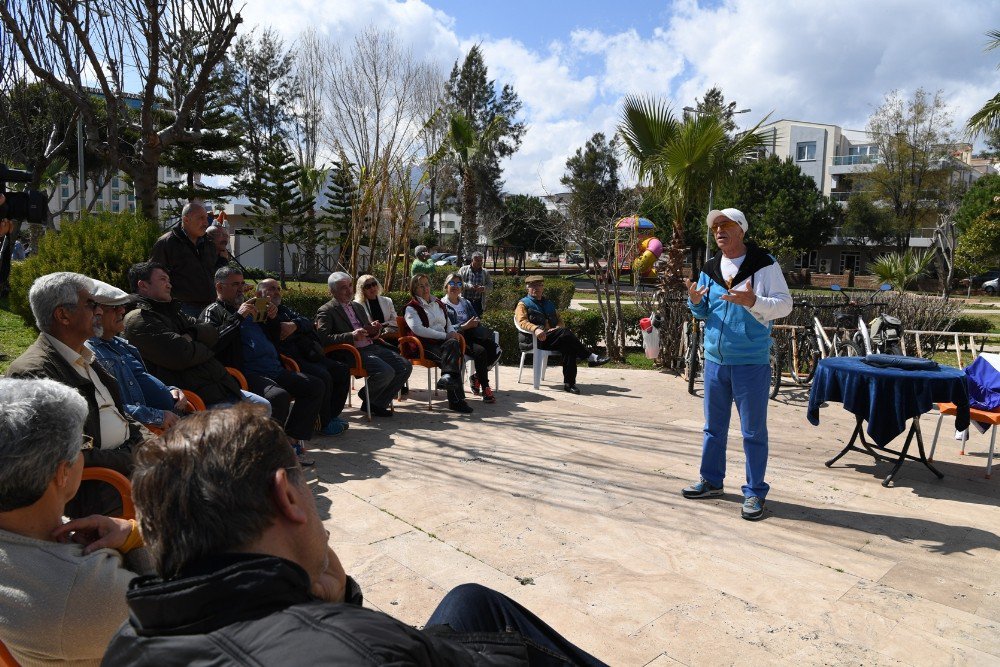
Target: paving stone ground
{"x": 571, "y": 505}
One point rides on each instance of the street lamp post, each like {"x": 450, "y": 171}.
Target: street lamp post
{"x": 711, "y": 188}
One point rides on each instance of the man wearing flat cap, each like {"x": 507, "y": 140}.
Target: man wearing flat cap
{"x": 422, "y": 263}
{"x": 739, "y": 293}
{"x": 538, "y": 316}
{"x": 146, "y": 399}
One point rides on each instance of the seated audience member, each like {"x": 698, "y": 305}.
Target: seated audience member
{"x": 219, "y": 237}
{"x": 378, "y": 308}
{"x": 427, "y": 318}
{"x": 480, "y": 343}
{"x": 298, "y": 340}
{"x": 67, "y": 315}
{"x": 146, "y": 399}
{"x": 62, "y": 588}
{"x": 539, "y": 317}
{"x": 245, "y": 574}
{"x": 341, "y": 320}
{"x": 176, "y": 348}
{"x": 247, "y": 340}
{"x": 476, "y": 282}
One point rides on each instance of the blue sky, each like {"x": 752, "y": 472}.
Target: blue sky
{"x": 572, "y": 62}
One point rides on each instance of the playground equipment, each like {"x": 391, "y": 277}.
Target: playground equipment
{"x": 636, "y": 247}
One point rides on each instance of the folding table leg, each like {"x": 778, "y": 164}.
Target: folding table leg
{"x": 937, "y": 430}
{"x": 989, "y": 459}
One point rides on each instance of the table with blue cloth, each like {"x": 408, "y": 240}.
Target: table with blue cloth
{"x": 886, "y": 398}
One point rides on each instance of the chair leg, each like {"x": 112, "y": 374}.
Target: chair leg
{"x": 521, "y": 367}
{"x": 545, "y": 366}
{"x": 536, "y": 369}
{"x": 989, "y": 459}
{"x": 429, "y": 406}
{"x": 368, "y": 403}
{"x": 965, "y": 439}
{"x": 934, "y": 443}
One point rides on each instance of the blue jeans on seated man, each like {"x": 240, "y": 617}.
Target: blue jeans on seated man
{"x": 748, "y": 386}
{"x": 250, "y": 398}
{"x": 473, "y": 608}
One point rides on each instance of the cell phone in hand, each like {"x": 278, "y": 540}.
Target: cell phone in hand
{"x": 261, "y": 304}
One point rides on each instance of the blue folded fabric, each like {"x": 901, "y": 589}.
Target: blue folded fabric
{"x": 901, "y": 362}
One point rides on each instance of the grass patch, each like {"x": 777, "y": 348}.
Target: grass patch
{"x": 15, "y": 336}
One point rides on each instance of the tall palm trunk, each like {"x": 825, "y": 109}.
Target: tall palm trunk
{"x": 470, "y": 228}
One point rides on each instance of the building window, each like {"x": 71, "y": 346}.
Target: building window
{"x": 64, "y": 192}
{"x": 850, "y": 261}
{"x": 807, "y": 259}
{"x": 805, "y": 150}
{"x": 116, "y": 206}
{"x": 64, "y": 179}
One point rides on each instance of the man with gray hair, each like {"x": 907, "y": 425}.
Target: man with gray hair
{"x": 219, "y": 236}
{"x": 67, "y": 315}
{"x": 64, "y": 584}
{"x": 476, "y": 282}
{"x": 189, "y": 257}
{"x": 343, "y": 320}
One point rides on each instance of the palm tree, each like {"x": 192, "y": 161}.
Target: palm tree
{"x": 466, "y": 147}
{"x": 902, "y": 269}
{"x": 987, "y": 119}
{"x": 681, "y": 160}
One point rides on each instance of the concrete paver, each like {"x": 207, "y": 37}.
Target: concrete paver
{"x": 571, "y": 505}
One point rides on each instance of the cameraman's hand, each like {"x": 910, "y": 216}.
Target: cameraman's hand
{"x": 287, "y": 329}
{"x": 272, "y": 311}
{"x": 360, "y": 334}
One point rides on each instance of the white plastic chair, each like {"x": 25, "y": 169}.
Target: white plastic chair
{"x": 496, "y": 364}
{"x": 539, "y": 358}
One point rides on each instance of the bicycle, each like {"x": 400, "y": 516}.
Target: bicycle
{"x": 694, "y": 350}
{"x": 776, "y": 356}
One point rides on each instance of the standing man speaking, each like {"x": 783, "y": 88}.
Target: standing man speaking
{"x": 739, "y": 293}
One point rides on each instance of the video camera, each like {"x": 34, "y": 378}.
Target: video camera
{"x": 29, "y": 206}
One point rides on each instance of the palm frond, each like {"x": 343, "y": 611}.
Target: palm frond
{"x": 987, "y": 119}
{"x": 647, "y": 124}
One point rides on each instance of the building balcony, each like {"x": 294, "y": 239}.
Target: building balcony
{"x": 843, "y": 160}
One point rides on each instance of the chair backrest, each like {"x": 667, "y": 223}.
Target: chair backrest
{"x": 518, "y": 327}
{"x": 6, "y": 659}
{"x": 195, "y": 400}
{"x": 290, "y": 364}
{"x": 117, "y": 480}
{"x": 239, "y": 377}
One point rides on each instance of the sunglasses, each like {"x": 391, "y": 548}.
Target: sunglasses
{"x": 369, "y": 285}
{"x": 454, "y": 283}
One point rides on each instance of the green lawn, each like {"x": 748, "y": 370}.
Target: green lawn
{"x": 15, "y": 336}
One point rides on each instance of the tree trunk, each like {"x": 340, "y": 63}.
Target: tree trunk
{"x": 145, "y": 190}
{"x": 470, "y": 230}
{"x": 281, "y": 255}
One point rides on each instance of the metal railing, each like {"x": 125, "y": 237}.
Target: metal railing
{"x": 844, "y": 160}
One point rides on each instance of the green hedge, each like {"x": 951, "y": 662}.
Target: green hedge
{"x": 304, "y": 301}
{"x": 101, "y": 246}
{"x": 972, "y": 324}
{"x": 507, "y": 291}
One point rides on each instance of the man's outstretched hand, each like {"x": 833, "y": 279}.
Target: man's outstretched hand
{"x": 695, "y": 293}
{"x": 744, "y": 297}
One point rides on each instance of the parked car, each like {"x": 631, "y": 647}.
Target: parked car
{"x": 546, "y": 257}
{"x": 438, "y": 255}
{"x": 575, "y": 258}
{"x": 447, "y": 260}
{"x": 990, "y": 286}
{"x": 534, "y": 256}
{"x": 979, "y": 281}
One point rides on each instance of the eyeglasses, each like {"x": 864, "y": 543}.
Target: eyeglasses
{"x": 243, "y": 284}
{"x": 88, "y": 443}
{"x": 454, "y": 283}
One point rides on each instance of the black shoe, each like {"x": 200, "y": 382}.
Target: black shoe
{"x": 376, "y": 411}
{"x": 449, "y": 382}
{"x": 571, "y": 388}
{"x": 600, "y": 361}
{"x": 460, "y": 406}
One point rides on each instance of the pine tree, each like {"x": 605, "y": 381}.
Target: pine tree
{"x": 341, "y": 193}
{"x": 276, "y": 202}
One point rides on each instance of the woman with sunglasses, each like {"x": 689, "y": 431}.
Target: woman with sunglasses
{"x": 379, "y": 308}
{"x": 480, "y": 343}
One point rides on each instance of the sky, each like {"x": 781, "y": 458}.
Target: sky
{"x": 572, "y": 61}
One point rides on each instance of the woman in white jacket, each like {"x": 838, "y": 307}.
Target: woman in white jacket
{"x": 427, "y": 318}
{"x": 379, "y": 308}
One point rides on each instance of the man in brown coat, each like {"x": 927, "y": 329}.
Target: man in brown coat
{"x": 67, "y": 316}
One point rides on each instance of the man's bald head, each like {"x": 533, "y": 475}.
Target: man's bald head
{"x": 194, "y": 220}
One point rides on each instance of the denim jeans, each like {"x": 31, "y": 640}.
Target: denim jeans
{"x": 748, "y": 387}
{"x": 475, "y": 608}
{"x": 250, "y": 398}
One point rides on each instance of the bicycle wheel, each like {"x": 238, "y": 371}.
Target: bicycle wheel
{"x": 775, "y": 371}
{"x": 846, "y": 348}
{"x": 807, "y": 358}
{"x": 693, "y": 358}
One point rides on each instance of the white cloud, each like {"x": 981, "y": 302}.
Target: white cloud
{"x": 632, "y": 64}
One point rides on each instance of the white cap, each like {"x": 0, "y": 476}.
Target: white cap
{"x": 109, "y": 295}
{"x": 733, "y": 214}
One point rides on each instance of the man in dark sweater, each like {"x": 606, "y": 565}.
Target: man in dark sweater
{"x": 189, "y": 257}
{"x": 246, "y": 574}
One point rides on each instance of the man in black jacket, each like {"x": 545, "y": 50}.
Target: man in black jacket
{"x": 189, "y": 257}
{"x": 247, "y": 339}
{"x": 246, "y": 575}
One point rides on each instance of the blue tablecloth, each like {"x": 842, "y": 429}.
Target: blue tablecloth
{"x": 886, "y": 397}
